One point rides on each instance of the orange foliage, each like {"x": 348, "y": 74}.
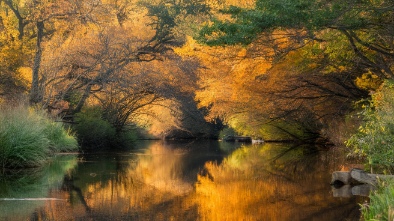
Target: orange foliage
{"x": 228, "y": 78}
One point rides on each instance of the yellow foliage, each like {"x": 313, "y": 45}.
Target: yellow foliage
{"x": 368, "y": 81}
{"x": 225, "y": 3}
{"x": 22, "y": 77}
{"x": 25, "y": 74}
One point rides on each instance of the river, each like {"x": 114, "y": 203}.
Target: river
{"x": 172, "y": 180}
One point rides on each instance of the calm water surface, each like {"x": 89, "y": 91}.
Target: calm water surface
{"x": 201, "y": 180}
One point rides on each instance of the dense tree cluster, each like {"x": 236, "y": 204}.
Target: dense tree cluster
{"x": 118, "y": 55}
{"x": 287, "y": 69}
{"x": 323, "y": 56}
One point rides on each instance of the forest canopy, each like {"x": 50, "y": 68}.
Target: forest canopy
{"x": 279, "y": 70}
{"x": 323, "y": 56}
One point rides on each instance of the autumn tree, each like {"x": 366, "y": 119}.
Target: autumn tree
{"x": 365, "y": 25}
{"x": 320, "y": 54}
{"x": 40, "y": 20}
{"x": 116, "y": 54}
{"x": 123, "y": 65}
{"x": 13, "y": 67}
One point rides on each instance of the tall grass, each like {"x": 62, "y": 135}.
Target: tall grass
{"x": 28, "y": 137}
{"x": 381, "y": 206}
{"x": 60, "y": 139}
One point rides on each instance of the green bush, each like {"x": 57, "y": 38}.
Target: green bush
{"x": 94, "y": 132}
{"x": 27, "y": 138}
{"x": 375, "y": 137}
{"x": 228, "y": 131}
{"x": 126, "y": 138}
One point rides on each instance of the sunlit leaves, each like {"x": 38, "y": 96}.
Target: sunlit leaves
{"x": 375, "y": 137}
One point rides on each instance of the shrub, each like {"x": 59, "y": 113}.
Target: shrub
{"x": 96, "y": 132}
{"x": 126, "y": 138}
{"x": 227, "y": 131}
{"x": 92, "y": 130}
{"x": 375, "y": 137}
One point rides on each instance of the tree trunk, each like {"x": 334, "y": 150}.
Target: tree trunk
{"x": 85, "y": 96}
{"x": 35, "y": 91}
{"x": 21, "y": 21}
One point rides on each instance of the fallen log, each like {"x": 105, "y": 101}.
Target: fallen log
{"x": 356, "y": 176}
{"x": 363, "y": 177}
{"x": 350, "y": 191}
{"x": 340, "y": 178}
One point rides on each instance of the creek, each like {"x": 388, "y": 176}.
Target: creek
{"x": 173, "y": 180}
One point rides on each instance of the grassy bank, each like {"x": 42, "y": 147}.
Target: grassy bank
{"x": 28, "y": 137}
{"x": 381, "y": 206}
{"x": 374, "y": 142}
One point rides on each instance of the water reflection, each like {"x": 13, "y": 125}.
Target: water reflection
{"x": 249, "y": 186}
{"x": 198, "y": 181}
{"x": 154, "y": 183}
{"x": 21, "y": 192}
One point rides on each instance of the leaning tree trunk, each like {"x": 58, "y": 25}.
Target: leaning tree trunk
{"x": 35, "y": 92}
{"x": 85, "y": 96}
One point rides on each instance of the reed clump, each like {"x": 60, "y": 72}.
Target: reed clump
{"x": 28, "y": 137}
{"x": 381, "y": 205}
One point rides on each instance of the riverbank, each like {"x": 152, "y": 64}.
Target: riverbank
{"x": 373, "y": 142}
{"x": 28, "y": 137}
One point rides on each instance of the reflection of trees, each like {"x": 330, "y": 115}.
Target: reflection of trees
{"x": 68, "y": 185}
{"x": 249, "y": 185}
{"x": 296, "y": 158}
{"x": 35, "y": 183}
{"x": 155, "y": 184}
{"x": 151, "y": 184}
{"x": 173, "y": 166}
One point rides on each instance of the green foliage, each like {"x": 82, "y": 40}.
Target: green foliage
{"x": 95, "y": 132}
{"x": 61, "y": 140}
{"x": 73, "y": 97}
{"x": 281, "y": 130}
{"x": 28, "y": 137}
{"x": 375, "y": 137}
{"x": 228, "y": 131}
{"x": 92, "y": 130}
{"x": 288, "y": 14}
{"x": 277, "y": 130}
{"x": 169, "y": 14}
{"x": 126, "y": 138}
{"x": 381, "y": 205}
{"x": 228, "y": 33}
